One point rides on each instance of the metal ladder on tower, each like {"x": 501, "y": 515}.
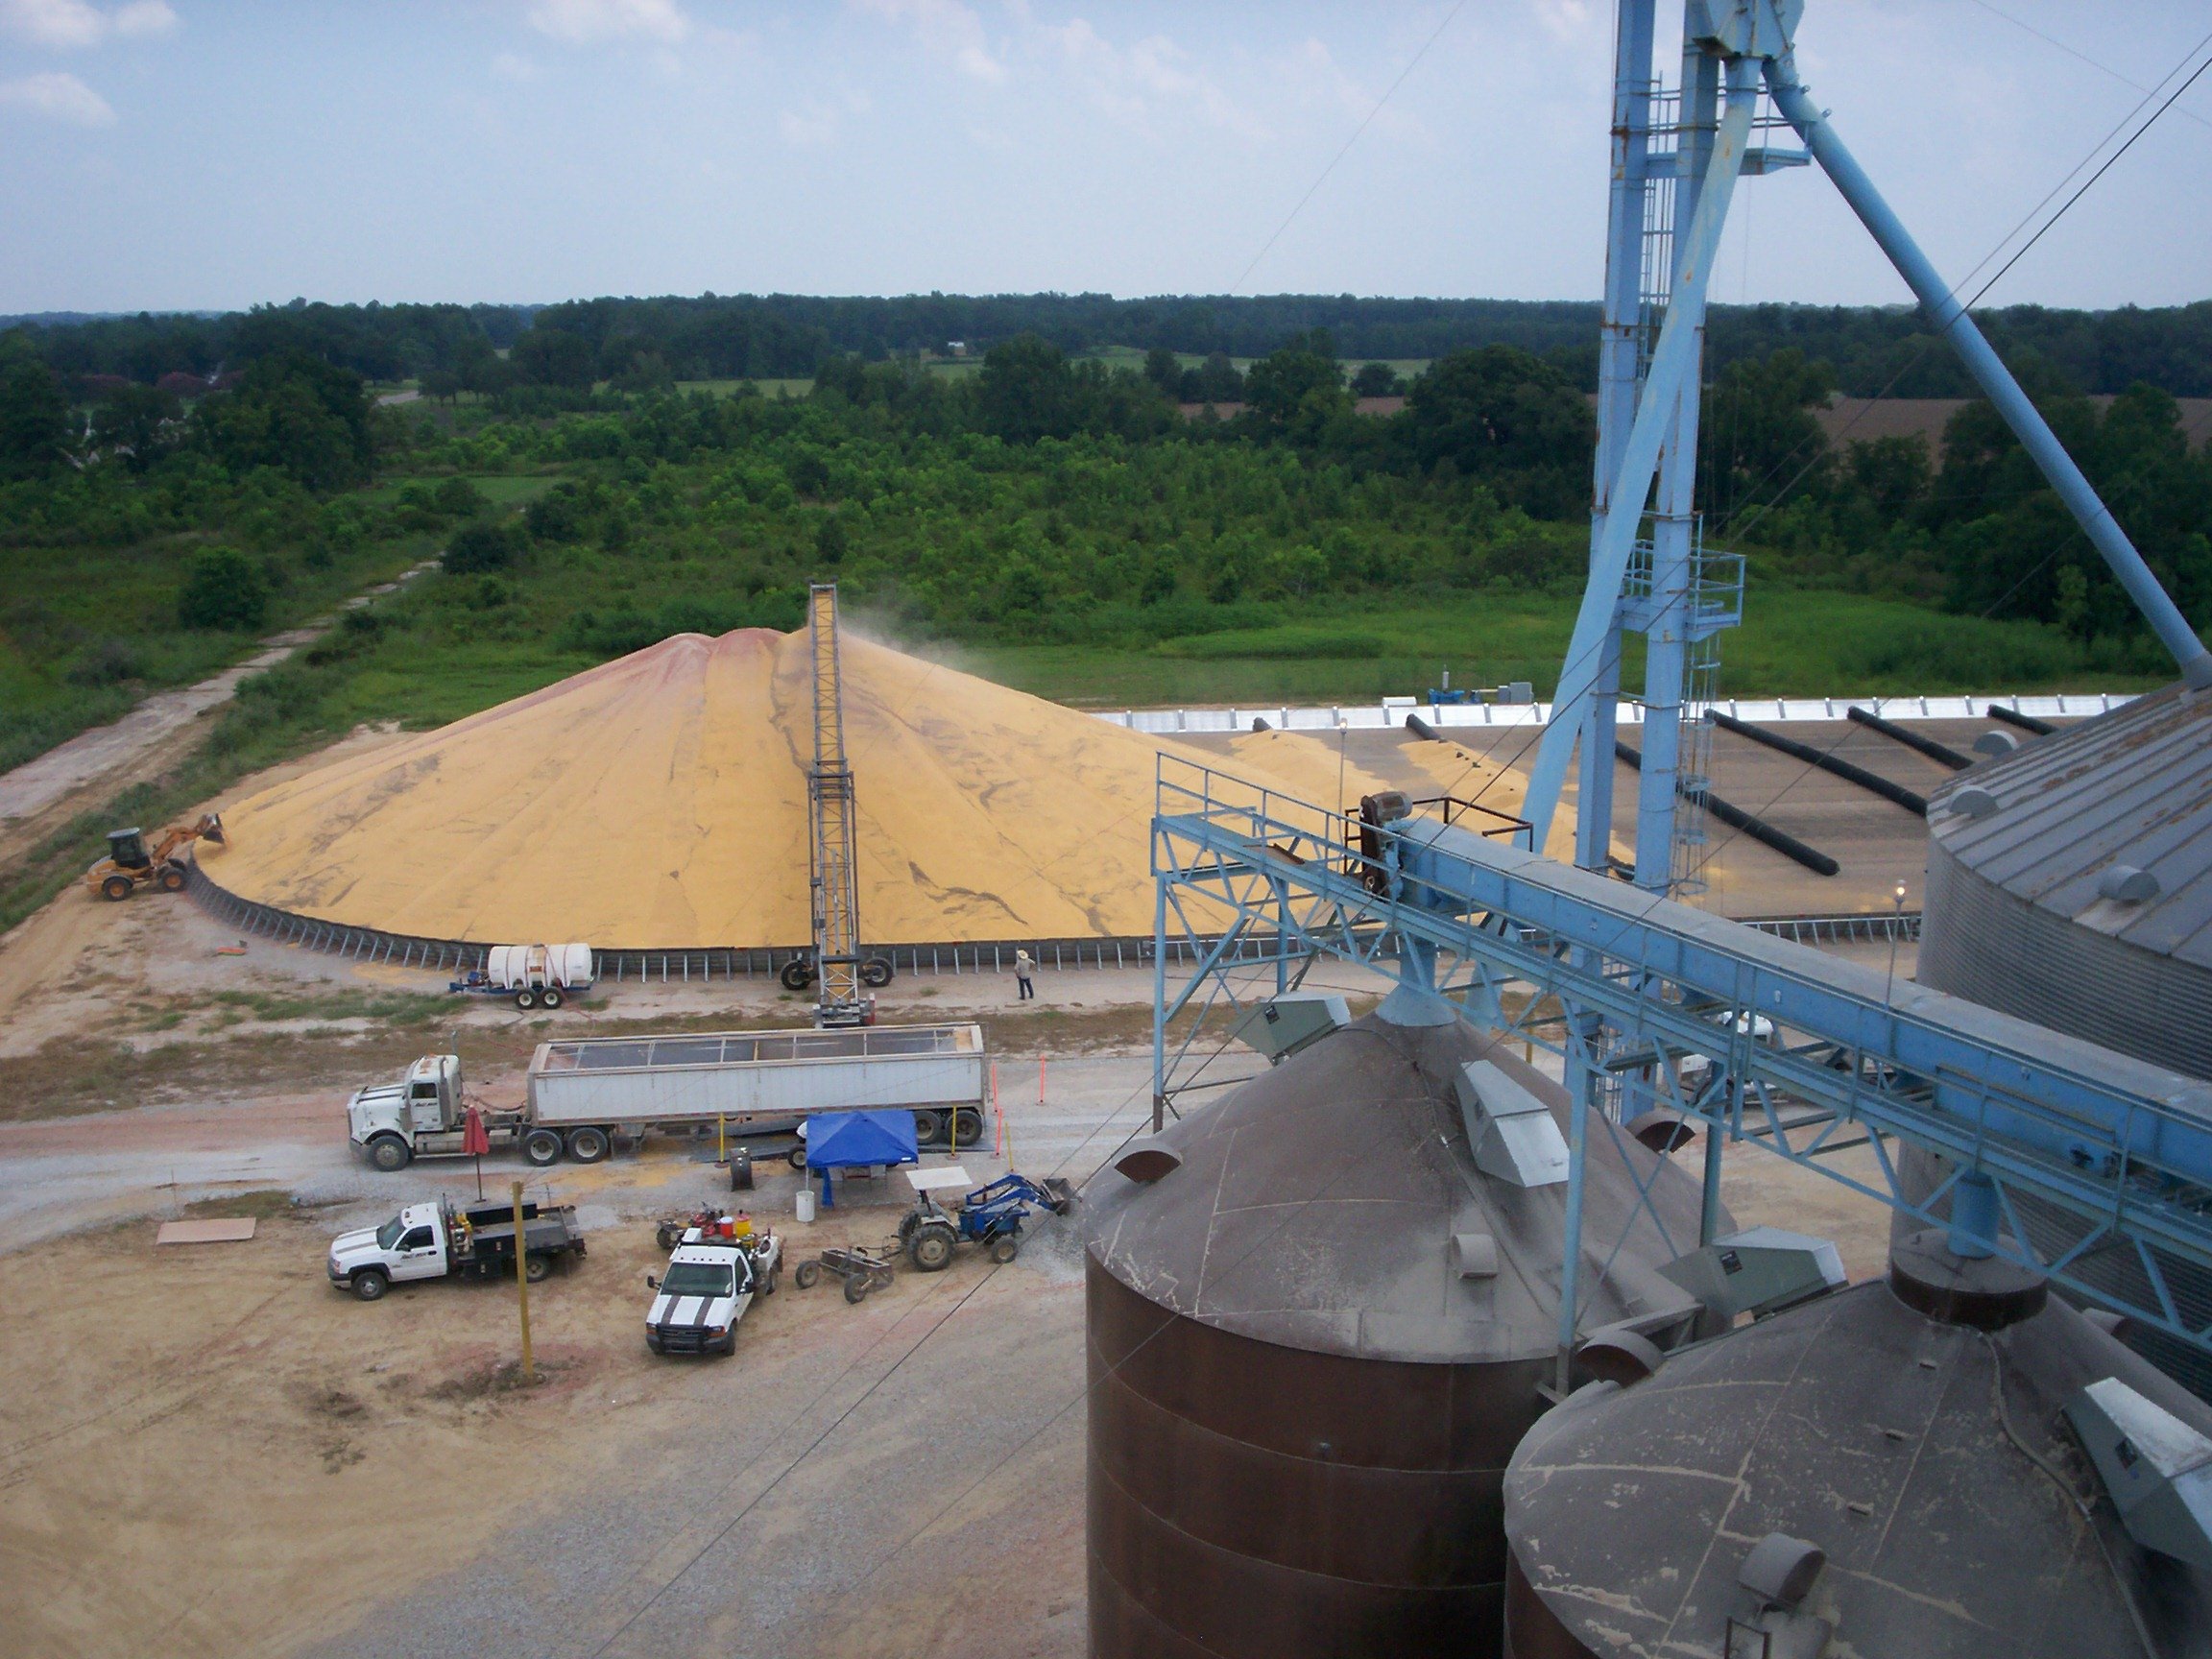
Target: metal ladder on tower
{"x": 833, "y": 883}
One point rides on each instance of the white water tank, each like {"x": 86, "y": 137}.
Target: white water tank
{"x": 511, "y": 967}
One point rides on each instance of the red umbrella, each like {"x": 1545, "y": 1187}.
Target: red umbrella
{"x": 475, "y": 1141}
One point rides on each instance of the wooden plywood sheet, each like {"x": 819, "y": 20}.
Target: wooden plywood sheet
{"x": 216, "y": 1230}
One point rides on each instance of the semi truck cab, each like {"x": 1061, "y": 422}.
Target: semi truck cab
{"x": 396, "y": 1122}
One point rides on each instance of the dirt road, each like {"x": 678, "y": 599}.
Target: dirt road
{"x": 40, "y": 795}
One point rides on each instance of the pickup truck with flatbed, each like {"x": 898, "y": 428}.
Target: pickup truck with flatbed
{"x": 442, "y": 1240}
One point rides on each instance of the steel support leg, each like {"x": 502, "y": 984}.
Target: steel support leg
{"x": 1159, "y": 1005}
{"x": 1571, "y": 1246}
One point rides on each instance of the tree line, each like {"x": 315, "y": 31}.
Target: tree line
{"x": 645, "y": 343}
{"x": 1482, "y": 477}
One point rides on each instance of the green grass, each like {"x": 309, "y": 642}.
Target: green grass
{"x": 789, "y": 386}
{"x": 1793, "y": 643}
{"x": 508, "y": 490}
{"x": 62, "y": 606}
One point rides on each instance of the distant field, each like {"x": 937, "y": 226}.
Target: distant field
{"x": 1792, "y": 644}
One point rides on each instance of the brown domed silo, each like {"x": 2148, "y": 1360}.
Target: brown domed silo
{"x": 1313, "y": 1343}
{"x": 1913, "y": 1432}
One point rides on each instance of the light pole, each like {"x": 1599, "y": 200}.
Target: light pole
{"x": 1896, "y": 927}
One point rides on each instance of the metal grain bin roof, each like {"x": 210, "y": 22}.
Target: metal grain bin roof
{"x": 1904, "y": 1448}
{"x": 1316, "y": 1208}
{"x": 2131, "y": 788}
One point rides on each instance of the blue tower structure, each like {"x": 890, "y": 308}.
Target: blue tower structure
{"x": 1676, "y": 157}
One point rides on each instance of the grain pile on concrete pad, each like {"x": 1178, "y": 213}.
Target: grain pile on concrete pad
{"x": 1462, "y": 773}
{"x": 1311, "y": 765}
{"x": 660, "y": 801}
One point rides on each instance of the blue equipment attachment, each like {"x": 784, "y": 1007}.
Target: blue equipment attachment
{"x": 991, "y": 1215}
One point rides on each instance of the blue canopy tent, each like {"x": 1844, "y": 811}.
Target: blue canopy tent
{"x": 858, "y": 1141}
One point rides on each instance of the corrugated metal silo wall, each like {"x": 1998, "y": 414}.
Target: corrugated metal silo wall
{"x": 1981, "y": 943}
{"x": 1255, "y": 1502}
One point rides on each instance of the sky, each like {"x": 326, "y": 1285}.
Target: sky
{"x": 216, "y": 154}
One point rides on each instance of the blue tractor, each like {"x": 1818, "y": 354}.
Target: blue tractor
{"x": 991, "y": 1215}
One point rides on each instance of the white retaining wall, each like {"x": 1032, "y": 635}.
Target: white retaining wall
{"x": 1392, "y": 712}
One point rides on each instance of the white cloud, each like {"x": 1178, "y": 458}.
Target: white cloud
{"x": 513, "y": 66}
{"x": 58, "y": 97}
{"x": 1137, "y": 85}
{"x": 947, "y": 28}
{"x": 820, "y": 121}
{"x": 145, "y": 17}
{"x": 1316, "y": 64}
{"x": 75, "y": 23}
{"x": 581, "y": 21}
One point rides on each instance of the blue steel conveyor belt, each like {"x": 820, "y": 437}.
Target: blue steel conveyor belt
{"x": 2121, "y": 1146}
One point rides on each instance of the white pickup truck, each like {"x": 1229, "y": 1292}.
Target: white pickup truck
{"x": 433, "y": 1240}
{"x": 711, "y": 1278}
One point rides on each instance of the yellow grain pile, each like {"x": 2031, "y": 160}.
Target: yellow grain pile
{"x": 661, "y": 801}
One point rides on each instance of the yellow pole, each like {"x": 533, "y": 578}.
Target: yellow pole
{"x": 721, "y": 1138}
{"x": 522, "y": 1288}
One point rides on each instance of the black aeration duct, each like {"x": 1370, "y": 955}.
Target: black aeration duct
{"x": 1926, "y": 746}
{"x": 2026, "y": 721}
{"x": 1827, "y": 763}
{"x": 1736, "y": 818}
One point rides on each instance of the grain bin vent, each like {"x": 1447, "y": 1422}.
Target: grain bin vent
{"x": 1281, "y": 1025}
{"x": 2156, "y": 1468}
{"x": 1514, "y": 1137}
{"x": 1762, "y": 1270}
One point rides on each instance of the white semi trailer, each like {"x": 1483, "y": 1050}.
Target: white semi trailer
{"x": 582, "y": 1092}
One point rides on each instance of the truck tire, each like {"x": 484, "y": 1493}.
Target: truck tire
{"x": 586, "y": 1146}
{"x": 930, "y": 1248}
{"x": 115, "y": 887}
{"x": 526, "y": 999}
{"x": 967, "y": 1126}
{"x": 390, "y": 1154}
{"x": 797, "y": 1156}
{"x": 370, "y": 1283}
{"x": 1004, "y": 1248}
{"x": 928, "y": 1128}
{"x": 796, "y": 975}
{"x": 549, "y": 997}
{"x": 875, "y": 973}
{"x": 542, "y": 1146}
{"x": 806, "y": 1275}
{"x": 172, "y": 877}
{"x": 536, "y": 1266}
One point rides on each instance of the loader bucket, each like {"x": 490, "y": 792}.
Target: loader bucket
{"x": 1059, "y": 1193}
{"x": 212, "y": 828}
